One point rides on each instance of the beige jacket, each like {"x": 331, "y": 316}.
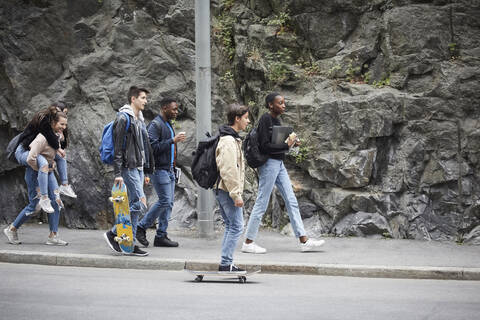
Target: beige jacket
{"x": 38, "y": 146}
{"x": 231, "y": 164}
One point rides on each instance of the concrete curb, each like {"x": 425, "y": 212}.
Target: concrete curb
{"x": 125, "y": 262}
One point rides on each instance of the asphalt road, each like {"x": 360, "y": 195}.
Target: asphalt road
{"x": 48, "y": 292}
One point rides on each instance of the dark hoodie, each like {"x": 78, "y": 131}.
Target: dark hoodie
{"x": 226, "y": 130}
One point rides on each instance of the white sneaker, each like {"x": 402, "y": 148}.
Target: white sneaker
{"x": 55, "y": 241}
{"x": 311, "y": 245}
{"x": 252, "y": 247}
{"x": 11, "y": 235}
{"x": 67, "y": 190}
{"x": 46, "y": 205}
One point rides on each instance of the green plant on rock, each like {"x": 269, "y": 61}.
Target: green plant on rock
{"x": 223, "y": 33}
{"x": 332, "y": 72}
{"x": 282, "y": 20}
{"x": 227, "y": 76}
{"x": 303, "y": 153}
{"x": 382, "y": 83}
{"x": 227, "y": 4}
{"x": 354, "y": 72}
{"x": 278, "y": 66}
{"x": 254, "y": 55}
{"x": 308, "y": 69}
{"x": 312, "y": 70}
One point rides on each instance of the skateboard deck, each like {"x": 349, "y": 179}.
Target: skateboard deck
{"x": 123, "y": 221}
{"x": 241, "y": 275}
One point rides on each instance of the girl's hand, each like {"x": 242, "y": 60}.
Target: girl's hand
{"x": 61, "y": 152}
{"x": 292, "y": 139}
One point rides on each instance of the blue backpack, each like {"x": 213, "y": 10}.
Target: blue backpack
{"x": 106, "y": 148}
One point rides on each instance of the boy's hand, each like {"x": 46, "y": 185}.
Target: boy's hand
{"x": 118, "y": 181}
{"x": 239, "y": 203}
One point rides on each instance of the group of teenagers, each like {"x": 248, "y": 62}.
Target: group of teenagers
{"x": 143, "y": 153}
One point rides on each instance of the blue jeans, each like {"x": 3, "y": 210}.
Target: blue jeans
{"x": 32, "y": 183}
{"x": 45, "y": 179}
{"x": 233, "y": 217}
{"x": 164, "y": 184}
{"x": 61, "y": 168}
{"x": 133, "y": 179}
{"x": 272, "y": 173}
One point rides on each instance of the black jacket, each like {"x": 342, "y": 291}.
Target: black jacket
{"x": 265, "y": 128}
{"x": 161, "y": 141}
{"x": 131, "y": 156}
{"x": 30, "y": 132}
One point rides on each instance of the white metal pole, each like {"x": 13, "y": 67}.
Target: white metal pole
{"x": 205, "y": 201}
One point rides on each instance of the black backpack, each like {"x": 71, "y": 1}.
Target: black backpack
{"x": 251, "y": 150}
{"x": 204, "y": 164}
{"x": 12, "y": 147}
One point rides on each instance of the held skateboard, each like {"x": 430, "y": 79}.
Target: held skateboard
{"x": 241, "y": 275}
{"x": 123, "y": 221}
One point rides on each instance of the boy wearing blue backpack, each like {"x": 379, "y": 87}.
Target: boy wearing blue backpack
{"x": 132, "y": 158}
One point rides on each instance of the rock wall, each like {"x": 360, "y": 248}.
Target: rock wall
{"x": 384, "y": 94}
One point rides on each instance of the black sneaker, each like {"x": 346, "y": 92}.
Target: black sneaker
{"x": 142, "y": 236}
{"x": 164, "y": 242}
{"x": 230, "y": 268}
{"x": 138, "y": 252}
{"x": 110, "y": 238}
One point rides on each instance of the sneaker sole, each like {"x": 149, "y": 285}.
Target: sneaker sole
{"x": 135, "y": 254}
{"x": 109, "y": 244}
{"x": 310, "y": 249}
{"x": 70, "y": 196}
{"x": 246, "y": 251}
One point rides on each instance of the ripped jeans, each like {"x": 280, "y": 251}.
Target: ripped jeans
{"x": 45, "y": 179}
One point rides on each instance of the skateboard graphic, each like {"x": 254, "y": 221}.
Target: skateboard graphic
{"x": 123, "y": 221}
{"x": 200, "y": 274}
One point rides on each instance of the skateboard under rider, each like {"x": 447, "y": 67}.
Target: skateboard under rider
{"x": 200, "y": 274}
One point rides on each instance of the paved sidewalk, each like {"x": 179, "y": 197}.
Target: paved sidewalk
{"x": 339, "y": 256}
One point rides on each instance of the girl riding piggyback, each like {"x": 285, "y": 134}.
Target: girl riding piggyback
{"x": 43, "y": 149}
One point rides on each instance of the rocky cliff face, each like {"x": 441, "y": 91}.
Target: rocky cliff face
{"x": 384, "y": 93}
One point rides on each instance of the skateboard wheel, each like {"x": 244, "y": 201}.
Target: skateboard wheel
{"x": 128, "y": 239}
{"x": 118, "y": 239}
{"x": 199, "y": 278}
{"x": 242, "y": 279}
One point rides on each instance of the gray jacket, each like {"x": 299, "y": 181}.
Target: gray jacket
{"x": 133, "y": 155}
